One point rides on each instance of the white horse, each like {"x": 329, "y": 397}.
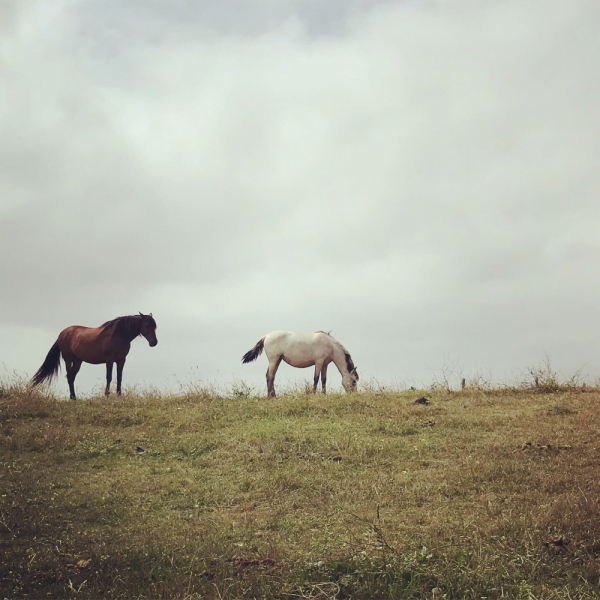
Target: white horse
{"x": 305, "y": 350}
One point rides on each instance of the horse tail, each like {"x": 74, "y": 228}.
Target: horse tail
{"x": 255, "y": 352}
{"x": 49, "y": 367}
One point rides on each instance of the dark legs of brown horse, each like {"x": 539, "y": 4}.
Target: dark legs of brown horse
{"x": 120, "y": 365}
{"x": 73, "y": 367}
{"x": 109, "y": 367}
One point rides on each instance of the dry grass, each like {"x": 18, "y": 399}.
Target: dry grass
{"x": 480, "y": 494}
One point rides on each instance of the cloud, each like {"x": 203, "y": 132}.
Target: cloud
{"x": 421, "y": 178}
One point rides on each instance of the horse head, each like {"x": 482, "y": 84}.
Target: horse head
{"x": 148, "y": 329}
{"x": 350, "y": 380}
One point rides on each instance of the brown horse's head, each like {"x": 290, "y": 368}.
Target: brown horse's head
{"x": 148, "y": 329}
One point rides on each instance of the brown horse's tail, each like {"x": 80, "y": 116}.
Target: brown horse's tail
{"x": 255, "y": 352}
{"x": 49, "y": 368}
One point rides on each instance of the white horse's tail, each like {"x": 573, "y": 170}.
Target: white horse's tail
{"x": 255, "y": 352}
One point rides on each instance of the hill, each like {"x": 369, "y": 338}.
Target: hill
{"x": 478, "y": 494}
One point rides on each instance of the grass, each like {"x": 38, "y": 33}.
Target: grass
{"x": 480, "y": 494}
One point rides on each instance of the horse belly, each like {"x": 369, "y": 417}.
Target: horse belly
{"x": 299, "y": 362}
{"x": 88, "y": 347}
{"x": 91, "y": 355}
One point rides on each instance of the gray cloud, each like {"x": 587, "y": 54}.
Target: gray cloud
{"x": 420, "y": 178}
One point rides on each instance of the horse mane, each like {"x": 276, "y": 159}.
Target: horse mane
{"x": 349, "y": 362}
{"x": 128, "y": 327}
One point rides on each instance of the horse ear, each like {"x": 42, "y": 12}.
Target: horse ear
{"x": 150, "y": 315}
{"x": 141, "y": 314}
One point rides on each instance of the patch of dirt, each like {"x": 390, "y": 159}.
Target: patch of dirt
{"x": 265, "y": 564}
{"x": 544, "y": 447}
{"x": 251, "y": 562}
{"x": 556, "y": 543}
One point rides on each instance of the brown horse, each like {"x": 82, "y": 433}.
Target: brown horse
{"x": 109, "y": 343}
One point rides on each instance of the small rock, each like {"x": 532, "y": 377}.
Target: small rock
{"x": 139, "y": 449}
{"x": 80, "y": 566}
{"x": 207, "y": 574}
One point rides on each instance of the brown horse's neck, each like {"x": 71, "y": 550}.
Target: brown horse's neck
{"x": 125, "y": 328}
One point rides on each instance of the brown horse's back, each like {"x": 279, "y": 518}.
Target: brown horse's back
{"x": 91, "y": 344}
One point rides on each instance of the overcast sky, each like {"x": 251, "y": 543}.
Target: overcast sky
{"x": 421, "y": 177}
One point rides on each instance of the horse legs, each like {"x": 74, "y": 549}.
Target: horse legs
{"x": 318, "y": 367}
{"x": 69, "y": 368}
{"x": 73, "y": 367}
{"x": 323, "y": 379}
{"x": 109, "y": 367}
{"x": 273, "y": 366}
{"x": 120, "y": 365}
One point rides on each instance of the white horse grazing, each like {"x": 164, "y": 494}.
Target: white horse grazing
{"x": 305, "y": 350}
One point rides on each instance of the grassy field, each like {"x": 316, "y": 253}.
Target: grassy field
{"x": 479, "y": 494}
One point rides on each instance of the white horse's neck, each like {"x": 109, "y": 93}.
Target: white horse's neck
{"x": 339, "y": 357}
